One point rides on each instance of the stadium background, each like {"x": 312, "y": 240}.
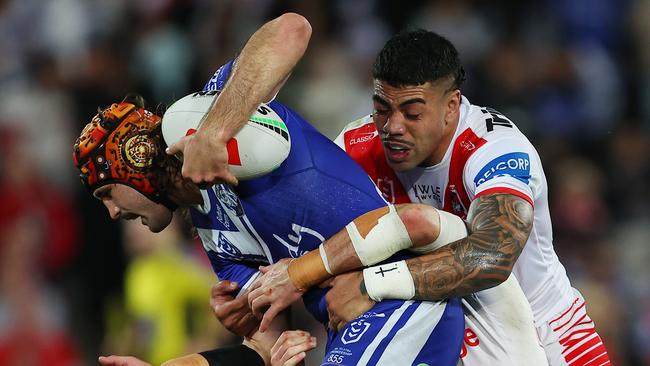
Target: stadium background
{"x": 573, "y": 74}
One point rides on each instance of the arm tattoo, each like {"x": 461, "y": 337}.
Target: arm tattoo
{"x": 499, "y": 225}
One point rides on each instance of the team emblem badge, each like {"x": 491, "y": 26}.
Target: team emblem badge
{"x": 355, "y": 331}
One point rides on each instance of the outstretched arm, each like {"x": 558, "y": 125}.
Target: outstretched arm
{"x": 367, "y": 240}
{"x": 261, "y": 69}
{"x": 499, "y": 226}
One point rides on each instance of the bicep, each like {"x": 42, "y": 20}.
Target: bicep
{"x": 500, "y": 223}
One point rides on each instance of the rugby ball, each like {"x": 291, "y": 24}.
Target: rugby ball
{"x": 257, "y": 149}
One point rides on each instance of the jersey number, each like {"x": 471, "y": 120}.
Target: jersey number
{"x": 495, "y": 118}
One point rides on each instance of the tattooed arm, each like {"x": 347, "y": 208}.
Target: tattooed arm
{"x": 499, "y": 225}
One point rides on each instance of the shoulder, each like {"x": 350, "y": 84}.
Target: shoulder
{"x": 360, "y": 131}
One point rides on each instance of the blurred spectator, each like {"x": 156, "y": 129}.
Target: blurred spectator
{"x": 166, "y": 299}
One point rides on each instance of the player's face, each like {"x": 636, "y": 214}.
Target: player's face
{"x": 124, "y": 202}
{"x": 416, "y": 122}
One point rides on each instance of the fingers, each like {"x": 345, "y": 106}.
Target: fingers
{"x": 121, "y": 361}
{"x": 291, "y": 347}
{"x": 224, "y": 288}
{"x": 258, "y": 301}
{"x": 177, "y": 147}
{"x": 222, "y": 293}
{"x": 295, "y": 360}
{"x": 228, "y": 177}
{"x": 268, "y": 317}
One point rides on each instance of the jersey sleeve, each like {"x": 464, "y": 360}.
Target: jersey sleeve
{"x": 220, "y": 77}
{"x": 242, "y": 273}
{"x": 503, "y": 165}
{"x": 218, "y": 81}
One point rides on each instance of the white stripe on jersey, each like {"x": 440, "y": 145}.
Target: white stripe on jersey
{"x": 263, "y": 244}
{"x": 403, "y": 350}
{"x": 385, "y": 330}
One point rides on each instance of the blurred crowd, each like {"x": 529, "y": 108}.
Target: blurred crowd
{"x": 574, "y": 75}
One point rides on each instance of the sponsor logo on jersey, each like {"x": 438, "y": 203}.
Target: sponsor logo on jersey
{"x": 427, "y": 192}
{"x": 516, "y": 165}
{"x": 363, "y": 138}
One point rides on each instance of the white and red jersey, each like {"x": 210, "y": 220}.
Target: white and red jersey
{"x": 488, "y": 154}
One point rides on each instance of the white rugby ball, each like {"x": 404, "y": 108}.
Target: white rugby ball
{"x": 257, "y": 149}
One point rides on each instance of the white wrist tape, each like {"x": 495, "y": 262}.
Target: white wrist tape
{"x": 452, "y": 228}
{"x": 323, "y": 256}
{"x": 386, "y": 237}
{"x": 389, "y": 281}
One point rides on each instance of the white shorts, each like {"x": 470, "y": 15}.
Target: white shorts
{"x": 500, "y": 328}
{"x": 570, "y": 337}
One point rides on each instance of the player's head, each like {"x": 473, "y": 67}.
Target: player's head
{"x": 417, "y": 76}
{"x": 121, "y": 159}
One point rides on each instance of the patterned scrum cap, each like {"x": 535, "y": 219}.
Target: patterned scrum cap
{"x": 118, "y": 146}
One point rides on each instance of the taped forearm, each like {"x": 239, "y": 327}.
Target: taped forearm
{"x": 395, "y": 280}
{"x": 368, "y": 239}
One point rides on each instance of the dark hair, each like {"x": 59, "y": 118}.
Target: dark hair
{"x": 415, "y": 57}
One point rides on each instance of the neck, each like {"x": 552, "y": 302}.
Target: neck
{"x": 185, "y": 193}
{"x": 445, "y": 141}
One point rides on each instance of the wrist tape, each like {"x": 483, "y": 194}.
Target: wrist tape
{"x": 452, "y": 228}
{"x": 389, "y": 281}
{"x": 378, "y": 234}
{"x": 308, "y": 270}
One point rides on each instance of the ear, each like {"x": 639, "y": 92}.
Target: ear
{"x": 453, "y": 106}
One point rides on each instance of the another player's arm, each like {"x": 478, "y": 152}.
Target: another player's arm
{"x": 500, "y": 225}
{"x": 369, "y": 239}
{"x": 261, "y": 69}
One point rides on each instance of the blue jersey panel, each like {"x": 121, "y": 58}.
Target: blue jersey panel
{"x": 400, "y": 333}
{"x": 311, "y": 196}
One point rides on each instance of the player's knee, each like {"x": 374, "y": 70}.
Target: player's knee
{"x": 421, "y": 221}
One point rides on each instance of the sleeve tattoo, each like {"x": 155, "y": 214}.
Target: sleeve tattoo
{"x": 499, "y": 225}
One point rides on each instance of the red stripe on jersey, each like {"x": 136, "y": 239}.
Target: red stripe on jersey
{"x": 597, "y": 353}
{"x": 571, "y": 318}
{"x": 233, "y": 152}
{"x": 363, "y": 144}
{"x": 511, "y": 191}
{"x": 583, "y": 347}
{"x": 456, "y": 198}
{"x": 580, "y": 342}
{"x": 565, "y": 312}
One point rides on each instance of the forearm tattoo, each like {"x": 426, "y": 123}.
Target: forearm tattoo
{"x": 499, "y": 226}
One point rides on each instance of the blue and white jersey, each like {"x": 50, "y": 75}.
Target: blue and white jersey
{"x": 314, "y": 193}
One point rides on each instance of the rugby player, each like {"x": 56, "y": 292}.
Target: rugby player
{"x": 427, "y": 143}
{"x": 122, "y": 161}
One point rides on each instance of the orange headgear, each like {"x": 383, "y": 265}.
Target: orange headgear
{"x": 119, "y": 146}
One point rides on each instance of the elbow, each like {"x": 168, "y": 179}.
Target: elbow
{"x": 421, "y": 222}
{"x": 495, "y": 270}
{"x": 293, "y": 30}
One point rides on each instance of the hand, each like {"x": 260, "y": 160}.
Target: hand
{"x": 274, "y": 290}
{"x": 232, "y": 312}
{"x": 345, "y": 300}
{"x": 291, "y": 347}
{"x": 121, "y": 361}
{"x": 205, "y": 159}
